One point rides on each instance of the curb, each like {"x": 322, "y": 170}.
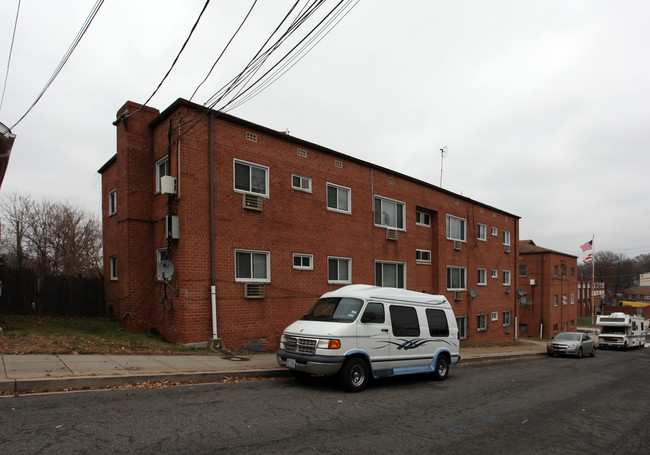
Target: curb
{"x": 497, "y": 358}
{"x": 102, "y": 382}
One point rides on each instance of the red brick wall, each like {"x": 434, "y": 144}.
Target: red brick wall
{"x": 291, "y": 222}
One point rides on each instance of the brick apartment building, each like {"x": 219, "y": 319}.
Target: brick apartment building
{"x": 258, "y": 224}
{"x": 547, "y": 292}
{"x": 585, "y": 294}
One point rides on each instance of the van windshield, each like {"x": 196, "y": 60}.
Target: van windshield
{"x": 335, "y": 309}
{"x": 613, "y": 330}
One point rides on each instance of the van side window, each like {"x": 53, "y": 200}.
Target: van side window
{"x": 374, "y": 313}
{"x": 404, "y": 320}
{"x": 437, "y": 323}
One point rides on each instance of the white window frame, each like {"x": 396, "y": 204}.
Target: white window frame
{"x": 303, "y": 180}
{"x": 507, "y": 318}
{"x": 397, "y": 264}
{"x": 303, "y": 256}
{"x": 479, "y": 281}
{"x": 556, "y": 300}
{"x": 422, "y": 218}
{"x": 573, "y": 299}
{"x": 481, "y": 327}
{"x": 253, "y": 279}
{"x": 167, "y": 171}
{"x": 251, "y": 166}
{"x": 463, "y": 234}
{"x": 494, "y": 231}
{"x": 112, "y": 202}
{"x": 339, "y": 259}
{"x": 506, "y": 238}
{"x": 161, "y": 255}
{"x": 461, "y": 323}
{"x": 481, "y": 232}
{"x": 507, "y": 277}
{"x": 399, "y": 206}
{"x": 112, "y": 266}
{"x": 463, "y": 271}
{"x": 338, "y": 188}
{"x": 494, "y": 273}
{"x": 423, "y": 256}
{"x": 495, "y": 316}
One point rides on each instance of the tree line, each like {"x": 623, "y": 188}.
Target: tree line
{"x": 617, "y": 271}
{"x": 51, "y": 238}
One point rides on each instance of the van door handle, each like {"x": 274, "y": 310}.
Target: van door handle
{"x": 384, "y": 330}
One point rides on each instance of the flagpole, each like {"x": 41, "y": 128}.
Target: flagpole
{"x": 593, "y": 274}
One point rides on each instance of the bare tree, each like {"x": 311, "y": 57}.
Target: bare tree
{"x": 16, "y": 210}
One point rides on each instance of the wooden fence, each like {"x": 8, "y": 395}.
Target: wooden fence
{"x": 23, "y": 292}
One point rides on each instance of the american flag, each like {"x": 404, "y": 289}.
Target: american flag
{"x": 586, "y": 246}
{"x": 586, "y": 258}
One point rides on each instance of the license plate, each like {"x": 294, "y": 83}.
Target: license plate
{"x": 291, "y": 363}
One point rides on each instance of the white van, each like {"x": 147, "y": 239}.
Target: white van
{"x": 359, "y": 331}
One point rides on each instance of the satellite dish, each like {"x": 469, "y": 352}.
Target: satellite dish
{"x": 165, "y": 269}
{"x": 521, "y": 292}
{"x": 473, "y": 293}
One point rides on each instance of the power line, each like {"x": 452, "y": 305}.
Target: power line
{"x": 65, "y": 58}
{"x": 11, "y": 49}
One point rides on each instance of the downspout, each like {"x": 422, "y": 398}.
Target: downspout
{"x": 213, "y": 277}
{"x": 515, "y": 272}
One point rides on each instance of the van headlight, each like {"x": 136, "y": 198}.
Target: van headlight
{"x": 328, "y": 344}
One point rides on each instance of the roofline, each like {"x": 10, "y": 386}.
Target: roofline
{"x": 180, "y": 102}
{"x": 107, "y": 164}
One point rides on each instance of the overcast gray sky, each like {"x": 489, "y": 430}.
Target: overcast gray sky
{"x": 544, "y": 105}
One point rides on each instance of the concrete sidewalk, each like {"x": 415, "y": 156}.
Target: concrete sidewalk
{"x": 48, "y": 373}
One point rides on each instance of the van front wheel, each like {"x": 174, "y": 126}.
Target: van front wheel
{"x": 442, "y": 368}
{"x": 354, "y": 375}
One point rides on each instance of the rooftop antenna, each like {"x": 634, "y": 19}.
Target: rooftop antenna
{"x": 443, "y": 153}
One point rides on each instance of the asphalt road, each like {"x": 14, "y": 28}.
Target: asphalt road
{"x": 542, "y": 405}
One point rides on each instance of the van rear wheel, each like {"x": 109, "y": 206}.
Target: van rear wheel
{"x": 442, "y": 368}
{"x": 354, "y": 375}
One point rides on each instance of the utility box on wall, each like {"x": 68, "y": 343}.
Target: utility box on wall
{"x": 167, "y": 184}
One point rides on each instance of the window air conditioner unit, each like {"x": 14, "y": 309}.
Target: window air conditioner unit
{"x": 458, "y": 245}
{"x": 167, "y": 184}
{"x": 507, "y": 289}
{"x": 458, "y": 295}
{"x": 506, "y": 248}
{"x": 392, "y": 234}
{"x": 254, "y": 291}
{"x": 253, "y": 202}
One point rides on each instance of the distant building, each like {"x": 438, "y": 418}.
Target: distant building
{"x": 585, "y": 294}
{"x": 644, "y": 280}
{"x": 637, "y": 294}
{"x": 258, "y": 224}
{"x": 548, "y": 291}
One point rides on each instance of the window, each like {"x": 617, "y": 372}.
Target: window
{"x": 161, "y": 255}
{"x": 555, "y": 270}
{"x": 374, "y": 313}
{"x": 338, "y": 198}
{"x": 481, "y": 322}
{"x": 251, "y": 178}
{"x": 162, "y": 169}
{"x": 252, "y": 266}
{"x": 389, "y": 213}
{"x": 523, "y": 270}
{"x": 506, "y": 237}
{"x": 506, "y": 277}
{"x": 495, "y": 315}
{"x": 523, "y": 328}
{"x": 456, "y": 278}
{"x": 573, "y": 272}
{"x": 455, "y": 228}
{"x": 422, "y": 218}
{"x": 563, "y": 270}
{"x": 461, "y": 322}
{"x": 494, "y": 231}
{"x": 437, "y": 320}
{"x": 339, "y": 270}
{"x": 390, "y": 274}
{"x": 555, "y": 300}
{"x": 404, "y": 320}
{"x": 481, "y": 277}
{"x": 481, "y": 231}
{"x": 300, "y": 183}
{"x": 507, "y": 318}
{"x": 303, "y": 261}
{"x": 423, "y": 255}
{"x": 494, "y": 273}
{"x": 564, "y": 299}
{"x": 573, "y": 299}
{"x": 112, "y": 202}
{"x": 112, "y": 264}
{"x": 554, "y": 327}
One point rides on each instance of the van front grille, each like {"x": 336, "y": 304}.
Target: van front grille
{"x": 300, "y": 345}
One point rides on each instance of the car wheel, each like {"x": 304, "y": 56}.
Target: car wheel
{"x": 442, "y": 368}
{"x": 580, "y": 353}
{"x": 593, "y": 351}
{"x": 354, "y": 375}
